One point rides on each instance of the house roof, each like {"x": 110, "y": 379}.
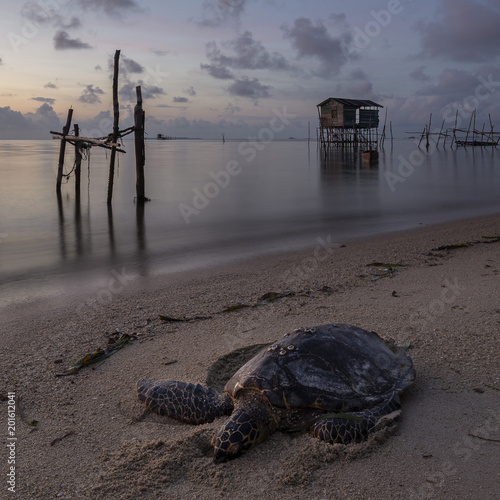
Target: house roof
{"x": 354, "y": 103}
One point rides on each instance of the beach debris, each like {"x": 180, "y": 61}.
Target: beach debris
{"x": 267, "y": 298}
{"x": 453, "y": 247}
{"x": 395, "y": 294}
{"x": 268, "y": 392}
{"x": 484, "y": 239}
{"x": 57, "y": 440}
{"x": 171, "y": 319}
{"x": 381, "y": 264}
{"x": 116, "y": 341}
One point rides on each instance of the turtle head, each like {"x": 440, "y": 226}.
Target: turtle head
{"x": 250, "y": 424}
{"x": 237, "y": 435}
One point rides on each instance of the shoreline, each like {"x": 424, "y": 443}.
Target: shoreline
{"x": 443, "y": 303}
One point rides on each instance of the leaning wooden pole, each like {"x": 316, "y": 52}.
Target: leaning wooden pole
{"x": 116, "y": 126}
{"x": 140, "y": 150}
{"x": 62, "y": 150}
{"x": 78, "y": 161}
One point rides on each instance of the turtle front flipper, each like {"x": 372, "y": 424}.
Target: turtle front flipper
{"x": 357, "y": 425}
{"x": 191, "y": 403}
{"x": 251, "y": 423}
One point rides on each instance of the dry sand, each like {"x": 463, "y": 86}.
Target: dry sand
{"x": 443, "y": 303}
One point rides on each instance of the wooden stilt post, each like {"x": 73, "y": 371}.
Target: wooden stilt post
{"x": 455, "y": 130}
{"x": 440, "y": 133}
{"x": 140, "y": 153}
{"x": 468, "y": 130}
{"x": 62, "y": 150}
{"x": 491, "y": 125}
{"x": 116, "y": 126}
{"x": 427, "y": 144}
{"x": 78, "y": 162}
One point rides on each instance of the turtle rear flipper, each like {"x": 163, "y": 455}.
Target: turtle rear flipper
{"x": 190, "y": 403}
{"x": 355, "y": 426}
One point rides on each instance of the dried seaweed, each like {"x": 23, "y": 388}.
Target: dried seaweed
{"x": 116, "y": 342}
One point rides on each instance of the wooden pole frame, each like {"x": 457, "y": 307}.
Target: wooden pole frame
{"x": 116, "y": 127}
{"x": 62, "y": 150}
{"x": 140, "y": 150}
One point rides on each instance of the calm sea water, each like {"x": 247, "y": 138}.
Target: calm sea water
{"x": 213, "y": 202}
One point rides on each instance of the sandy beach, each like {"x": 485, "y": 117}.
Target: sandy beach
{"x": 420, "y": 288}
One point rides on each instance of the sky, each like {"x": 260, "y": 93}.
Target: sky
{"x": 213, "y": 67}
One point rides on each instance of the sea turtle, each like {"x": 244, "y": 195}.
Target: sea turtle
{"x": 337, "y": 380}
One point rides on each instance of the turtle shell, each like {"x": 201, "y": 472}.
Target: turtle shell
{"x": 332, "y": 367}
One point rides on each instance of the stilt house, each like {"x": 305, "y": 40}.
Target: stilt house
{"x": 348, "y": 121}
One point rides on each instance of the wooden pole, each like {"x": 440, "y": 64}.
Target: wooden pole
{"x": 140, "y": 150}
{"x": 78, "y": 161}
{"x": 455, "y": 130}
{"x": 116, "y": 128}
{"x": 491, "y": 125}
{"x": 439, "y": 136}
{"x": 468, "y": 130}
{"x": 428, "y": 132}
{"x": 62, "y": 150}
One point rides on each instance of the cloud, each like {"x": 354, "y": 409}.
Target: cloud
{"x": 110, "y": 7}
{"x": 62, "y": 41}
{"x": 246, "y": 87}
{"x": 37, "y": 125}
{"x": 180, "y": 99}
{"x": 454, "y": 90}
{"x": 465, "y": 31}
{"x": 232, "y": 109}
{"x": 219, "y": 12}
{"x": 247, "y": 53}
{"x": 128, "y": 92}
{"x": 314, "y": 40}
{"x": 1, "y": 61}
{"x": 72, "y": 24}
{"x": 190, "y": 91}
{"x": 419, "y": 75}
{"x": 48, "y": 100}
{"x": 91, "y": 95}
{"x": 219, "y": 72}
{"x": 251, "y": 54}
{"x": 50, "y": 85}
{"x": 159, "y": 52}
{"x": 452, "y": 83}
{"x": 46, "y": 15}
{"x": 130, "y": 66}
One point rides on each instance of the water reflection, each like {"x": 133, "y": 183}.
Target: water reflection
{"x": 76, "y": 234}
{"x": 288, "y": 195}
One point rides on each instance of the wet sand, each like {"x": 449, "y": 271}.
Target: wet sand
{"x": 94, "y": 440}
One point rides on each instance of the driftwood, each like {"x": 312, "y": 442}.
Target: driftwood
{"x": 94, "y": 142}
